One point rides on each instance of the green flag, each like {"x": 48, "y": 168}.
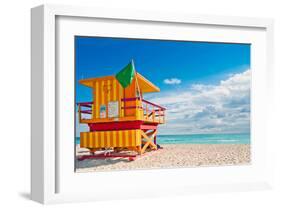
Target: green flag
{"x": 126, "y": 75}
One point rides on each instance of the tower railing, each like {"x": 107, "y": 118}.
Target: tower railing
{"x": 85, "y": 110}
{"x": 148, "y": 111}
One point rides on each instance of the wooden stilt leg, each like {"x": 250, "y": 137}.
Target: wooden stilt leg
{"x": 139, "y": 150}
{"x": 148, "y": 140}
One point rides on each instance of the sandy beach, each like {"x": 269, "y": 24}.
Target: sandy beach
{"x": 180, "y": 155}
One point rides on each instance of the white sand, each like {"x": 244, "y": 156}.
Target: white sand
{"x": 180, "y": 155}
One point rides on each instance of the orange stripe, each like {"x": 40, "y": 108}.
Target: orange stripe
{"x": 94, "y": 100}
{"x": 106, "y": 93}
{"x": 123, "y": 139}
{"x": 111, "y": 138}
{"x": 97, "y": 99}
{"x": 108, "y": 143}
{"x": 117, "y": 138}
{"x": 96, "y": 139}
{"x": 126, "y": 138}
{"x": 129, "y": 138}
{"x": 132, "y": 138}
{"x": 120, "y": 144}
{"x": 109, "y": 90}
{"x": 108, "y": 139}
{"x": 120, "y": 139}
{"x": 86, "y": 139}
{"x": 114, "y": 138}
{"x": 105, "y": 139}
{"x": 101, "y": 139}
{"x": 137, "y": 137}
{"x": 117, "y": 90}
{"x": 136, "y": 140}
{"x": 102, "y": 92}
{"x": 114, "y": 89}
{"x": 120, "y": 91}
{"x": 91, "y": 139}
{"x": 82, "y": 139}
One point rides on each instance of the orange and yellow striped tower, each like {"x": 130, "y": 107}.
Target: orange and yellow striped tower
{"x": 119, "y": 118}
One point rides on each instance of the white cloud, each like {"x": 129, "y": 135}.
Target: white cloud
{"x": 222, "y": 108}
{"x": 172, "y": 81}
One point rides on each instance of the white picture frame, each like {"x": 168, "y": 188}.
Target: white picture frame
{"x": 50, "y": 172}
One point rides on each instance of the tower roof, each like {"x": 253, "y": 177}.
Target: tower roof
{"x": 145, "y": 85}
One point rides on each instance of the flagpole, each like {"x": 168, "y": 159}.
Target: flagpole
{"x": 138, "y": 87}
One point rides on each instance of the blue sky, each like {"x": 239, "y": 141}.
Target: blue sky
{"x": 182, "y": 70}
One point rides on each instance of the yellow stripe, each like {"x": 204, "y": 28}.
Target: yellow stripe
{"x": 91, "y": 140}
{"x": 104, "y": 138}
{"x": 133, "y": 138}
{"x": 93, "y": 105}
{"x": 111, "y": 138}
{"x": 121, "y": 103}
{"x": 138, "y": 136}
{"x": 101, "y": 139}
{"x": 84, "y": 140}
{"x": 117, "y": 139}
{"x": 116, "y": 134}
{"x": 97, "y": 99}
{"x": 96, "y": 139}
{"x": 114, "y": 139}
{"x": 117, "y": 96}
{"x": 102, "y": 92}
{"x": 108, "y": 139}
{"x": 120, "y": 139}
{"x": 127, "y": 138}
{"x": 114, "y": 89}
{"x": 87, "y": 140}
{"x": 108, "y": 91}
{"x": 123, "y": 139}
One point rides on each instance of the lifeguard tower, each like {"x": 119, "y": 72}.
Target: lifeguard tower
{"x": 118, "y": 117}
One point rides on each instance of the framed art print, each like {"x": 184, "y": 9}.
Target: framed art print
{"x": 122, "y": 100}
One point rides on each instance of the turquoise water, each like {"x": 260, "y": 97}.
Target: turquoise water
{"x": 201, "y": 139}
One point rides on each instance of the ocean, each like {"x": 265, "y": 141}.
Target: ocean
{"x": 201, "y": 139}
